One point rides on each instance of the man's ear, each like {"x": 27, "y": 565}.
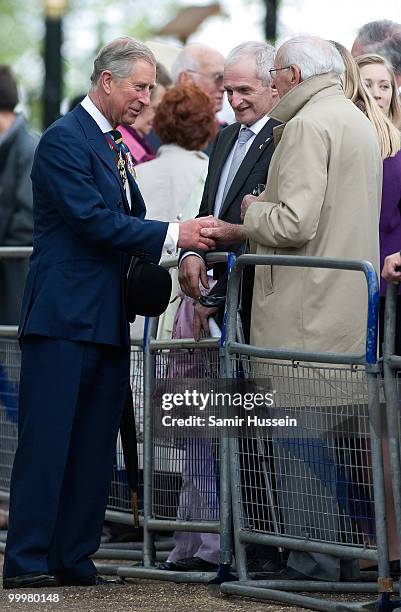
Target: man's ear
{"x": 184, "y": 78}
{"x": 296, "y": 76}
{"x": 106, "y": 80}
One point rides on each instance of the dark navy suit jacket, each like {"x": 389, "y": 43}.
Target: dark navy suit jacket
{"x": 84, "y": 234}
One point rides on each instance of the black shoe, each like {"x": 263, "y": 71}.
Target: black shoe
{"x": 94, "y": 580}
{"x": 31, "y": 580}
{"x": 168, "y": 565}
{"x": 194, "y": 564}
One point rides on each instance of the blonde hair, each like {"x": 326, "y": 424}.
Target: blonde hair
{"x": 395, "y": 108}
{"x": 354, "y": 89}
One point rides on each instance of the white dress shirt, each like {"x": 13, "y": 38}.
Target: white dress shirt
{"x": 256, "y": 128}
{"x": 170, "y": 243}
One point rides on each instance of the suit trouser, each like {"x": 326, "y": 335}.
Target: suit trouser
{"x": 70, "y": 404}
{"x": 306, "y": 474}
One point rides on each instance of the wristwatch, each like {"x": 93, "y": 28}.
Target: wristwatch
{"x": 212, "y": 301}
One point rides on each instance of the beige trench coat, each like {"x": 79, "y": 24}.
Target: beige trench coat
{"x": 323, "y": 199}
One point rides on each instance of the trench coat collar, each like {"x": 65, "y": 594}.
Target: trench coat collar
{"x": 290, "y": 104}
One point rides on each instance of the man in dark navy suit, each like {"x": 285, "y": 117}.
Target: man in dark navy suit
{"x": 74, "y": 334}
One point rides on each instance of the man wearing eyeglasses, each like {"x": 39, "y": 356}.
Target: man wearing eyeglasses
{"x": 203, "y": 66}
{"x": 322, "y": 199}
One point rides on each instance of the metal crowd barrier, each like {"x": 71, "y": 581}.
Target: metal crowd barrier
{"x": 320, "y": 487}
{"x": 181, "y": 488}
{"x": 391, "y": 372}
{"x": 9, "y": 381}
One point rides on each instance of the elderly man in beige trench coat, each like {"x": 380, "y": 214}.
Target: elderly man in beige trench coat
{"x": 322, "y": 199}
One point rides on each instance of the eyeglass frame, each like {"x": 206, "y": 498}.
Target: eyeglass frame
{"x": 277, "y": 69}
{"x": 217, "y": 77}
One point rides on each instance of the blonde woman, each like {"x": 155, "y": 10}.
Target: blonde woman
{"x": 370, "y": 83}
{"x": 364, "y": 85}
{"x": 379, "y": 79}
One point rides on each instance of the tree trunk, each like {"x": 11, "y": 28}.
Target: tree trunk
{"x": 270, "y": 23}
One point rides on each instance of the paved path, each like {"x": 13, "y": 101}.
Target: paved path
{"x": 144, "y": 596}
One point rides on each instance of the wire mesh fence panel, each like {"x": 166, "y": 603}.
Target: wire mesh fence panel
{"x": 185, "y": 469}
{"x": 310, "y": 477}
{"x": 10, "y": 364}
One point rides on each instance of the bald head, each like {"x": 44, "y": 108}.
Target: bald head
{"x": 202, "y": 65}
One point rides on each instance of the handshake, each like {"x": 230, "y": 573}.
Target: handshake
{"x": 205, "y": 233}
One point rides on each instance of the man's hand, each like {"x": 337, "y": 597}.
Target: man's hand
{"x": 190, "y": 237}
{"x": 192, "y": 270}
{"x": 246, "y": 201}
{"x": 201, "y": 319}
{"x": 392, "y": 268}
{"x": 224, "y": 232}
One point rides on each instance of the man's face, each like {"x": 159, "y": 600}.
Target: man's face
{"x": 249, "y": 98}
{"x": 127, "y": 97}
{"x": 283, "y": 77}
{"x": 209, "y": 77}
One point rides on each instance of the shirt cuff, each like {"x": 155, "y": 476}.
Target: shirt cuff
{"x": 170, "y": 243}
{"x": 186, "y": 255}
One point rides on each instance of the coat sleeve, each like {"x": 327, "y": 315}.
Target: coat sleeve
{"x": 292, "y": 221}
{"x": 63, "y": 173}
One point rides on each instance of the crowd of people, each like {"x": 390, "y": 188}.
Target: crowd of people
{"x": 142, "y": 168}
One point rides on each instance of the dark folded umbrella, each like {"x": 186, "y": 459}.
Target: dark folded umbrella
{"x": 128, "y": 440}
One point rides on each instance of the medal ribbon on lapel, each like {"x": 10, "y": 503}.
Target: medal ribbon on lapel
{"x": 123, "y": 155}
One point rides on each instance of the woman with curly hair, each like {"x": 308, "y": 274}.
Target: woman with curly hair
{"x": 172, "y": 184}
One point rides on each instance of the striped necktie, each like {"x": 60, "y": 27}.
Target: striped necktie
{"x": 123, "y": 155}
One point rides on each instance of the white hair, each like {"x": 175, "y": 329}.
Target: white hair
{"x": 119, "y": 57}
{"x": 262, "y": 52}
{"x": 312, "y": 55}
{"x": 189, "y": 58}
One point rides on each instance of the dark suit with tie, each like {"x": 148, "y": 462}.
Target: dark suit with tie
{"x": 75, "y": 347}
{"x": 251, "y": 173}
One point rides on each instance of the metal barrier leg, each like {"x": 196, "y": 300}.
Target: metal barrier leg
{"x": 392, "y": 402}
{"x": 225, "y": 513}
{"x": 240, "y": 553}
{"x": 149, "y": 383}
{"x": 385, "y": 583}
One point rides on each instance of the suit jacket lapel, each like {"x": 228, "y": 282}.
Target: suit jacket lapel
{"x": 138, "y": 207}
{"x": 219, "y": 161}
{"x": 99, "y": 144}
{"x": 262, "y": 140}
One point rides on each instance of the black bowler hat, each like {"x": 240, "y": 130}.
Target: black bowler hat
{"x": 148, "y": 289}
